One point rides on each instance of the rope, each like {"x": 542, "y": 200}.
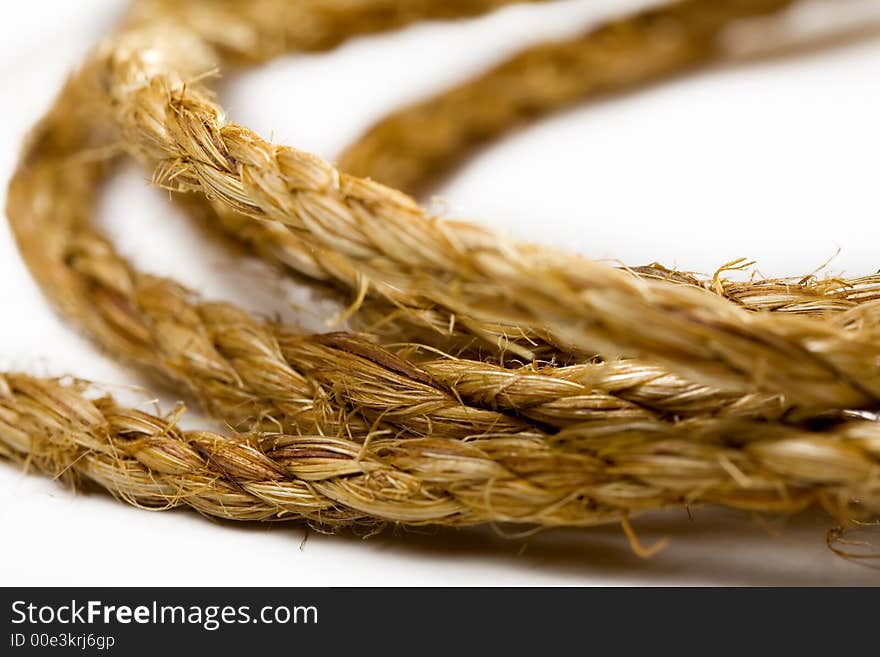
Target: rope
{"x": 727, "y": 403}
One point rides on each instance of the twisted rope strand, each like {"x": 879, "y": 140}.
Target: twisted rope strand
{"x": 146, "y": 460}
{"x": 465, "y": 268}
{"x": 591, "y": 62}
{"x": 620, "y": 54}
{"x": 259, "y": 30}
{"x": 603, "y": 54}
{"x": 398, "y": 317}
{"x": 415, "y": 145}
{"x": 595, "y": 392}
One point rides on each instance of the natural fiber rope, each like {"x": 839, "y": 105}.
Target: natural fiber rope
{"x": 410, "y": 148}
{"x": 467, "y": 269}
{"x": 234, "y": 364}
{"x": 258, "y": 30}
{"x": 247, "y": 371}
{"x": 429, "y": 137}
{"x": 583, "y": 477}
{"x": 623, "y": 53}
{"x": 536, "y": 477}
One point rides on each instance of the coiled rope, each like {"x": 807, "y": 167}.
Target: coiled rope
{"x": 704, "y": 392}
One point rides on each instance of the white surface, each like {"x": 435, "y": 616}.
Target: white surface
{"x": 774, "y": 159}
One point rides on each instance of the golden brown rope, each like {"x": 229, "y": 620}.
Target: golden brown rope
{"x": 253, "y": 373}
{"x": 233, "y": 363}
{"x": 258, "y": 30}
{"x": 586, "y": 477}
{"x": 392, "y": 447}
{"x": 436, "y": 133}
{"x": 401, "y": 317}
{"x": 461, "y": 267}
{"x": 412, "y": 147}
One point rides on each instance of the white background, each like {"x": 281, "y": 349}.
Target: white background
{"x": 772, "y": 156}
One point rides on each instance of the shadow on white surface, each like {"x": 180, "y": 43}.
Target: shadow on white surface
{"x": 716, "y": 547}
